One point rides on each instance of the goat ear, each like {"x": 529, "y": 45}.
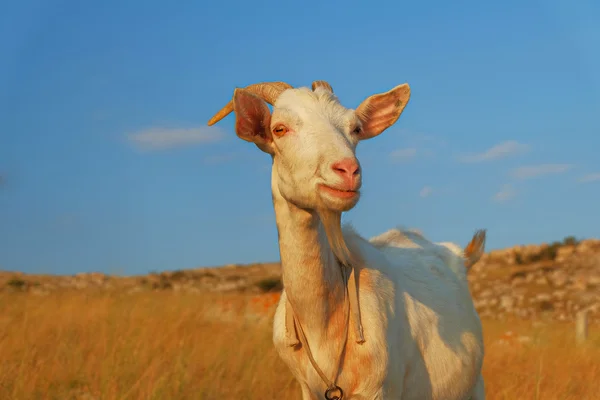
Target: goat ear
{"x": 380, "y": 111}
{"x": 252, "y": 119}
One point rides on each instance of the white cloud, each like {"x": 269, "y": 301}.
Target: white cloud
{"x": 426, "y": 191}
{"x": 403, "y": 154}
{"x": 165, "y": 138}
{"x": 506, "y": 193}
{"x": 533, "y": 171}
{"x": 501, "y": 150}
{"x": 590, "y": 178}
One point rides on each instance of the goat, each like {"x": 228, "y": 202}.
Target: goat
{"x": 389, "y": 318}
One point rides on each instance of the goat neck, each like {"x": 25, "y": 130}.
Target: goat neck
{"x": 312, "y": 278}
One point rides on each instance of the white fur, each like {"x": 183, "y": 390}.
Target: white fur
{"x": 420, "y": 325}
{"x": 423, "y": 335}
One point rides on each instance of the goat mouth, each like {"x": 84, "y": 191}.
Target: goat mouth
{"x": 340, "y": 193}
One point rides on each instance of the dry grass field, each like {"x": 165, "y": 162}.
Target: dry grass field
{"x": 170, "y": 345}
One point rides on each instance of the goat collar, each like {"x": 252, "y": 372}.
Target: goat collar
{"x": 295, "y": 333}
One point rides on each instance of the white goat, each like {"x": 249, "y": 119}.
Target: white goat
{"x": 422, "y": 338}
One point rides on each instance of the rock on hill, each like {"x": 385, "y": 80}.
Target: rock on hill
{"x": 548, "y": 280}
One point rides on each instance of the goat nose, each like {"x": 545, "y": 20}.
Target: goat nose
{"x": 348, "y": 167}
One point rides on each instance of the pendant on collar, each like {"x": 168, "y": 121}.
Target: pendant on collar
{"x": 334, "y": 393}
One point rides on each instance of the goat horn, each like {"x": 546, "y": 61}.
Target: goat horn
{"x": 268, "y": 91}
{"x": 322, "y": 84}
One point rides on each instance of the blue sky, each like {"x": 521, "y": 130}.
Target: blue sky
{"x": 107, "y": 164}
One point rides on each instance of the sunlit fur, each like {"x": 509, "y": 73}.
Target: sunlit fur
{"x": 423, "y": 335}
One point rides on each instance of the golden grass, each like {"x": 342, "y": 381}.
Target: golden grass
{"x": 169, "y": 345}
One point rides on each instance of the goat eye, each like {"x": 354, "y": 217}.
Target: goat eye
{"x": 280, "y": 130}
{"x": 356, "y": 130}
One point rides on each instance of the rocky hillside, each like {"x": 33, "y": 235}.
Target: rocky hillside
{"x": 556, "y": 280}
{"x": 548, "y": 280}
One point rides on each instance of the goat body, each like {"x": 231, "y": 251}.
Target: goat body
{"x": 424, "y": 337}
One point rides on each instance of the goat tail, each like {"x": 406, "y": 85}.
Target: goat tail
{"x": 475, "y": 249}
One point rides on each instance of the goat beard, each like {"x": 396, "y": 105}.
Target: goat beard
{"x": 332, "y": 223}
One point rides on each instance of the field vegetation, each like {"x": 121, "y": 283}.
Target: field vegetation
{"x": 178, "y": 345}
